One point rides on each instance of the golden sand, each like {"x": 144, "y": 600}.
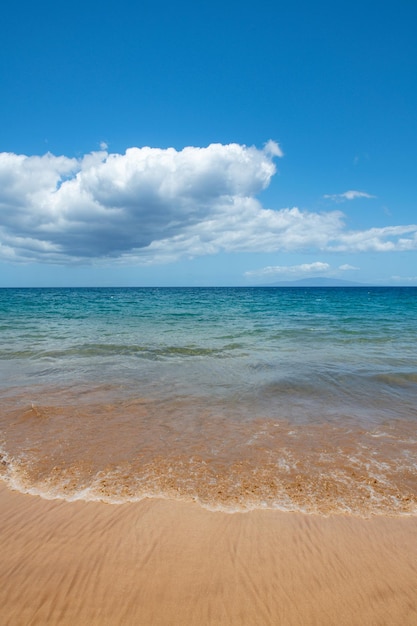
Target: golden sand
{"x": 168, "y": 563}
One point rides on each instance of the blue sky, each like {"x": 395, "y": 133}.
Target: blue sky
{"x": 215, "y": 143}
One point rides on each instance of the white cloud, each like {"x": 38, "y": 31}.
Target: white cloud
{"x": 404, "y": 279}
{"x": 154, "y": 206}
{"x": 304, "y": 269}
{"x": 385, "y": 239}
{"x": 346, "y": 267}
{"x": 348, "y": 195}
{"x": 244, "y": 226}
{"x": 272, "y": 148}
{"x": 111, "y": 204}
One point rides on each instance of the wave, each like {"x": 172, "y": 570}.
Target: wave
{"x": 91, "y": 350}
{"x": 124, "y": 453}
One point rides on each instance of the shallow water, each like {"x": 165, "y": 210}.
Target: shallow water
{"x": 298, "y": 399}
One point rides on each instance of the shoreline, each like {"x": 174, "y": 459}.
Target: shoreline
{"x": 167, "y": 562}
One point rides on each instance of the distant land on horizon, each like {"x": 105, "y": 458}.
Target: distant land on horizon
{"x": 320, "y": 281}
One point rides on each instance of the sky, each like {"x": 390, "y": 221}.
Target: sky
{"x": 215, "y": 143}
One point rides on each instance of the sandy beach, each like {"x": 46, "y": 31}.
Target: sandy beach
{"x": 167, "y": 562}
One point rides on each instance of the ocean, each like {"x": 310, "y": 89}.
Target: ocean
{"x": 299, "y": 399}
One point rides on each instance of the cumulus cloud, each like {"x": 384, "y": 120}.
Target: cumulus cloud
{"x": 304, "y": 269}
{"x": 348, "y": 195}
{"x": 151, "y": 205}
{"x": 111, "y": 204}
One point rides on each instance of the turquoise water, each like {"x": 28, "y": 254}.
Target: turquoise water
{"x": 234, "y": 397}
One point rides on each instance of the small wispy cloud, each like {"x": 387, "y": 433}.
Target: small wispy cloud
{"x": 347, "y": 195}
{"x": 303, "y": 269}
{"x": 346, "y": 267}
{"x": 404, "y": 279}
{"x": 273, "y": 149}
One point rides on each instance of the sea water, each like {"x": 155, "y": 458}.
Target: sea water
{"x": 302, "y": 399}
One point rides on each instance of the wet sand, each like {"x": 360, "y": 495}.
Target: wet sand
{"x": 166, "y": 562}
